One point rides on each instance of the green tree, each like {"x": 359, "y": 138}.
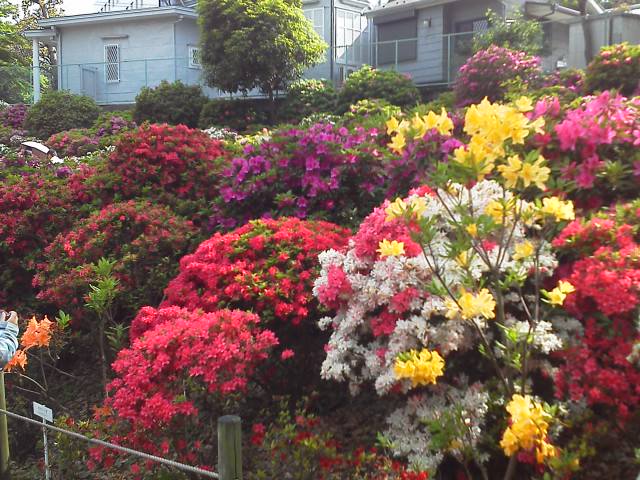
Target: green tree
{"x": 14, "y": 65}
{"x": 518, "y": 33}
{"x": 262, "y": 44}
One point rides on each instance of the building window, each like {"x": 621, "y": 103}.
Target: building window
{"x": 350, "y": 31}
{"x": 316, "y": 17}
{"x": 194, "y": 57}
{"x": 397, "y": 42}
{"x": 472, "y": 26}
{"x": 112, "y": 63}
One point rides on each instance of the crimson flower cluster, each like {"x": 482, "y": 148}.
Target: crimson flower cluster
{"x": 145, "y": 240}
{"x": 603, "y": 263}
{"x": 165, "y": 380}
{"x": 160, "y": 158}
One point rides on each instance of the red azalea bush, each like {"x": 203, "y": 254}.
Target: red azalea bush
{"x": 168, "y": 381}
{"x": 33, "y": 210}
{"x": 603, "y": 263}
{"x": 266, "y": 266}
{"x": 488, "y": 71}
{"x": 160, "y": 159}
{"x": 593, "y": 147}
{"x": 325, "y": 171}
{"x": 145, "y": 240}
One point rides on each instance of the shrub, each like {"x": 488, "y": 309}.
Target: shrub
{"x": 266, "y": 265}
{"x": 369, "y": 83}
{"x": 58, "y": 111}
{"x": 370, "y": 113}
{"x": 486, "y": 73}
{"x": 617, "y": 66}
{"x": 14, "y": 116}
{"x": 324, "y": 171}
{"x": 306, "y": 97}
{"x": 164, "y": 162}
{"x": 168, "y": 381}
{"x": 172, "y": 103}
{"x": 235, "y": 114}
{"x": 592, "y": 147}
{"x": 143, "y": 239}
{"x": 73, "y": 143}
{"x": 520, "y": 33}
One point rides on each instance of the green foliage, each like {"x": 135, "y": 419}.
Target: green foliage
{"x": 261, "y": 44}
{"x": 172, "y": 103}
{"x": 617, "y": 66}
{"x": 369, "y": 83}
{"x": 306, "y": 97}
{"x": 236, "y": 114}
{"x": 518, "y": 33}
{"x": 370, "y": 113}
{"x": 14, "y": 66}
{"x": 61, "y": 110}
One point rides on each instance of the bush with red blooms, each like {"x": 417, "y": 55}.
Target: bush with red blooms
{"x": 33, "y": 210}
{"x": 299, "y": 446}
{"x": 144, "y": 240}
{"x": 170, "y": 381}
{"x": 158, "y": 160}
{"x": 14, "y": 116}
{"x": 592, "y": 147}
{"x": 324, "y": 171}
{"x": 602, "y": 262}
{"x": 267, "y": 266}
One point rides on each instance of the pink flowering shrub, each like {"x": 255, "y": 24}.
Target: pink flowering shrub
{"x": 14, "y": 116}
{"x": 170, "y": 381}
{"x": 145, "y": 240}
{"x": 324, "y": 171}
{"x": 486, "y": 73}
{"x": 592, "y": 147}
{"x": 616, "y": 67}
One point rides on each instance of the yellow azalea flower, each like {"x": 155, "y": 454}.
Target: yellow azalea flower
{"x": 501, "y": 211}
{"x": 472, "y": 229}
{"x": 398, "y": 142}
{"x": 523, "y": 250}
{"x": 392, "y": 248}
{"x": 431, "y": 120}
{"x": 445, "y": 125}
{"x": 511, "y": 171}
{"x": 480, "y": 305}
{"x": 538, "y": 125}
{"x": 453, "y": 310}
{"x": 462, "y": 259}
{"x": 422, "y": 368}
{"x": 558, "y": 295}
{"x": 392, "y": 126}
{"x": 396, "y": 209}
{"x": 535, "y": 173}
{"x": 554, "y": 207}
{"x": 420, "y": 127}
{"x": 524, "y": 104}
{"x": 418, "y": 206}
{"x": 528, "y": 429}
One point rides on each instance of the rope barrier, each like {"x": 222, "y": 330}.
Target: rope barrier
{"x": 146, "y": 456}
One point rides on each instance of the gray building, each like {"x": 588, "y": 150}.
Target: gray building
{"x": 112, "y": 54}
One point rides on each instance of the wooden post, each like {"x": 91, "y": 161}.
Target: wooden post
{"x": 229, "y": 448}
{"x": 5, "y": 473}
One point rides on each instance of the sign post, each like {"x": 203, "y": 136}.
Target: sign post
{"x": 46, "y": 414}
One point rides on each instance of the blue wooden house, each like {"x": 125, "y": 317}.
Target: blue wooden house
{"x": 127, "y": 45}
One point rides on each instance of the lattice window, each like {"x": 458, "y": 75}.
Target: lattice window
{"x": 112, "y": 63}
{"x": 194, "y": 57}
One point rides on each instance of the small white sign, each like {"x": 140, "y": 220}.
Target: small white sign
{"x": 43, "y": 412}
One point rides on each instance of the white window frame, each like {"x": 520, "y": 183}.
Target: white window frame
{"x": 194, "y": 53}
{"x": 108, "y": 65}
{"x": 312, "y": 15}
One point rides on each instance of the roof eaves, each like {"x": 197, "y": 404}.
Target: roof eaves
{"x": 117, "y": 16}
{"x": 398, "y": 6}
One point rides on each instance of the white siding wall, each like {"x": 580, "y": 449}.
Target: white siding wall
{"x": 83, "y": 55}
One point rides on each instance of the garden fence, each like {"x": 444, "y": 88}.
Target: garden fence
{"x": 228, "y": 437}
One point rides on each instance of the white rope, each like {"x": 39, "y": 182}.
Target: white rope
{"x": 146, "y": 456}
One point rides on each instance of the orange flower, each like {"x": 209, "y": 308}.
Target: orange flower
{"x": 18, "y": 360}
{"x": 37, "y": 334}
{"x": 101, "y": 412}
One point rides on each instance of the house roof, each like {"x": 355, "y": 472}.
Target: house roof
{"x": 118, "y": 16}
{"x": 545, "y": 10}
{"x": 395, "y": 6}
